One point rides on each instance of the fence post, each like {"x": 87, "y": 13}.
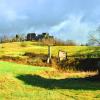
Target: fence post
{"x": 49, "y": 54}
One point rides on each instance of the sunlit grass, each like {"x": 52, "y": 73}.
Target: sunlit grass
{"x": 23, "y": 82}
{"x": 6, "y": 67}
{"x": 15, "y": 49}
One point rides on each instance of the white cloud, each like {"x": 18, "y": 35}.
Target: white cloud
{"x": 73, "y": 28}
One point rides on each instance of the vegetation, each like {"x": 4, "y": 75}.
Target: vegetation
{"x": 47, "y": 83}
{"x": 94, "y": 37}
{"x": 33, "y": 53}
{"x": 23, "y": 82}
{"x": 15, "y": 48}
{"x": 44, "y": 39}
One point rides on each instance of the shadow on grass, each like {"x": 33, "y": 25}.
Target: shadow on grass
{"x": 89, "y": 83}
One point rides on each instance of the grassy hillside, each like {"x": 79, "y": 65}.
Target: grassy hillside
{"x": 19, "y": 48}
{"x": 22, "y": 82}
{"x": 33, "y": 53}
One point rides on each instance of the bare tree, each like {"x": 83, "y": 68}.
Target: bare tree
{"x": 4, "y": 38}
{"x": 94, "y": 38}
{"x": 71, "y": 43}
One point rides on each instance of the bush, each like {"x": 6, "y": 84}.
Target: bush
{"x": 87, "y": 64}
{"x": 70, "y": 43}
{"x": 68, "y": 64}
{"x": 48, "y": 41}
{"x": 65, "y": 43}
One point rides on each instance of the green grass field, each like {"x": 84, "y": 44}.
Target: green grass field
{"x": 23, "y": 82}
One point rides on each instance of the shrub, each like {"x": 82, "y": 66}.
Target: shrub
{"x": 87, "y": 64}
{"x": 68, "y": 64}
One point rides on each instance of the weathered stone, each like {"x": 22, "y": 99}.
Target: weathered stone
{"x": 62, "y": 55}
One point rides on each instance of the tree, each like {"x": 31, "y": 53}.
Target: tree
{"x": 48, "y": 41}
{"x": 4, "y": 38}
{"x": 45, "y": 35}
{"x": 71, "y": 43}
{"x": 22, "y": 37}
{"x": 17, "y": 37}
{"x": 94, "y": 37}
{"x": 31, "y": 36}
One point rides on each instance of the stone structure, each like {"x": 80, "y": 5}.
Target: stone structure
{"x": 62, "y": 55}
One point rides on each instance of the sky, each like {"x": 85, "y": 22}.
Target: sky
{"x": 65, "y": 19}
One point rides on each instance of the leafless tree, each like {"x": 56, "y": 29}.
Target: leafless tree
{"x": 94, "y": 38}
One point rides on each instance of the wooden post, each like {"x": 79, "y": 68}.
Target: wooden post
{"x": 49, "y": 54}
